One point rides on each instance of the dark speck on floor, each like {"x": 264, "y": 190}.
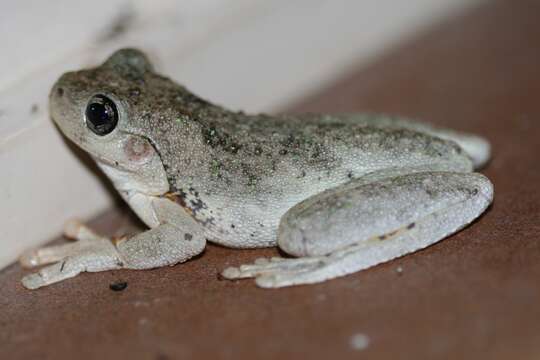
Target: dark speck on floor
{"x": 118, "y": 286}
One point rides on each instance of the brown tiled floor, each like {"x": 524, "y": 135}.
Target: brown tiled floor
{"x": 474, "y": 295}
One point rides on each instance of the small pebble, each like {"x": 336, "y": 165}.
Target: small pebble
{"x": 118, "y": 286}
{"x": 359, "y": 341}
{"x": 399, "y": 270}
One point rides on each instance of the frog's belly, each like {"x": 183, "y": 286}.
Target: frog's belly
{"x": 248, "y": 223}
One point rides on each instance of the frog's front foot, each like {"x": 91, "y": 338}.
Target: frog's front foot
{"x": 90, "y": 252}
{"x": 166, "y": 244}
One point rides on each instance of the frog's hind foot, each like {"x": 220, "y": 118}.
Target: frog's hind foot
{"x": 279, "y": 272}
{"x": 268, "y": 267}
{"x": 90, "y": 252}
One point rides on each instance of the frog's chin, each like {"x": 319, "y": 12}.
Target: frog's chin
{"x": 134, "y": 180}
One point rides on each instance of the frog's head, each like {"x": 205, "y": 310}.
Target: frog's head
{"x": 99, "y": 109}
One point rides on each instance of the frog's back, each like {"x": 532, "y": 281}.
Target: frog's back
{"x": 344, "y": 145}
{"x": 261, "y": 165}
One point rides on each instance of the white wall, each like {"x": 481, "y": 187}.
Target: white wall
{"x": 250, "y": 54}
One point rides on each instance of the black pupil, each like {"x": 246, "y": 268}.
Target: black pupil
{"x": 101, "y": 115}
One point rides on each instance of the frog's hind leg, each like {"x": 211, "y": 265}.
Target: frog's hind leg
{"x": 351, "y": 228}
{"x": 477, "y": 148}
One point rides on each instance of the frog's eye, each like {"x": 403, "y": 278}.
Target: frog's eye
{"x": 101, "y": 115}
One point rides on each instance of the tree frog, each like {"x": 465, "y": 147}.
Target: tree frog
{"x": 339, "y": 193}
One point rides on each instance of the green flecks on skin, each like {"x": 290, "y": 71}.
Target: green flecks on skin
{"x": 181, "y": 120}
{"x": 220, "y": 139}
{"x": 252, "y": 181}
{"x": 216, "y": 168}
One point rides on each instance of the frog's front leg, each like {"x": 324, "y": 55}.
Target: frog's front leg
{"x": 359, "y": 225}
{"x": 175, "y": 239}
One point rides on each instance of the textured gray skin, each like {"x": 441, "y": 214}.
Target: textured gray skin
{"x": 190, "y": 167}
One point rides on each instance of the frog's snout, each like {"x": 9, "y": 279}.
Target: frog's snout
{"x": 57, "y": 93}
{"x": 56, "y": 97}
{"x": 65, "y": 106}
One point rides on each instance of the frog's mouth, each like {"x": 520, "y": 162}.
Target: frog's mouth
{"x": 99, "y": 159}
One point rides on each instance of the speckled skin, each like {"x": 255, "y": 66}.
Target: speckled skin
{"x": 231, "y": 177}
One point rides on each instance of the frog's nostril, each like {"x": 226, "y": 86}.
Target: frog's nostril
{"x": 60, "y": 92}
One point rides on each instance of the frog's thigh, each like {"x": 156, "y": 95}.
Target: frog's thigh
{"x": 351, "y": 228}
{"x": 379, "y": 210}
